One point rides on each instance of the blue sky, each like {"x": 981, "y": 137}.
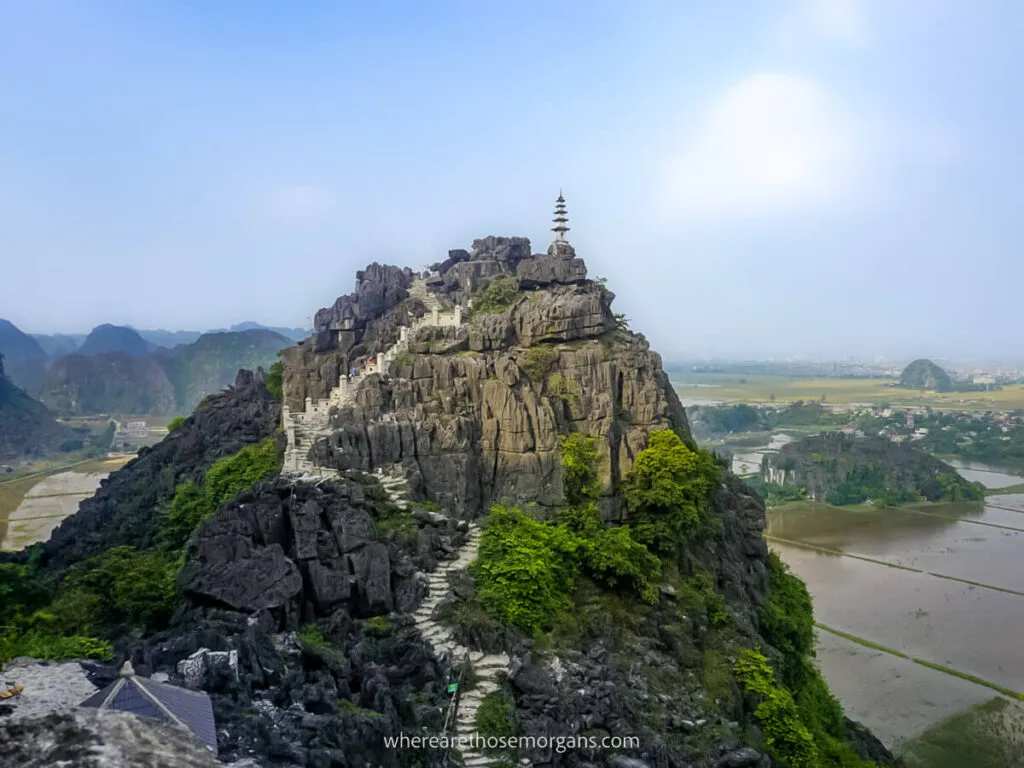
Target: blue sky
{"x": 815, "y": 177}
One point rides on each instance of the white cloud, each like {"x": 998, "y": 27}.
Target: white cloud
{"x": 301, "y": 203}
{"x": 772, "y": 142}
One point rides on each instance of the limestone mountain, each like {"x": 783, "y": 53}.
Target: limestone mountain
{"x": 59, "y": 344}
{"x": 163, "y": 382}
{"x": 108, "y": 383}
{"x": 295, "y": 334}
{"x": 27, "y": 428}
{"x": 168, "y": 339}
{"x": 115, "y": 338}
{"x": 923, "y": 374}
{"x": 493, "y": 413}
{"x": 211, "y": 362}
{"x": 843, "y": 469}
{"x": 24, "y": 358}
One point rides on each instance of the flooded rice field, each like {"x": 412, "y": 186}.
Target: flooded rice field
{"x": 31, "y": 508}
{"x": 939, "y": 583}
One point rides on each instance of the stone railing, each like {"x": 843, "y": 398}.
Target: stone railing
{"x": 302, "y": 428}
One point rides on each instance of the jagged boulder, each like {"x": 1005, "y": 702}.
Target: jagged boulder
{"x": 554, "y": 268}
{"x": 379, "y": 288}
{"x": 89, "y": 738}
{"x": 292, "y": 547}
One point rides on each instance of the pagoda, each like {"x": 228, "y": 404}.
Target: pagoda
{"x": 560, "y": 246}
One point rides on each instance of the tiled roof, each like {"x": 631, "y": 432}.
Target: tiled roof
{"x": 159, "y": 701}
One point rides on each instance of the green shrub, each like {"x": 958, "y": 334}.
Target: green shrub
{"x": 526, "y": 569}
{"x": 122, "y": 585}
{"x": 788, "y": 739}
{"x": 274, "y": 380}
{"x": 787, "y": 621}
{"x": 379, "y": 624}
{"x": 495, "y": 717}
{"x": 579, "y": 469}
{"x": 499, "y": 295}
{"x": 668, "y": 492}
{"x": 223, "y": 481}
{"x": 312, "y": 636}
{"x": 538, "y": 361}
{"x": 612, "y": 554}
{"x": 699, "y": 593}
{"x": 49, "y": 647}
{"x": 176, "y": 422}
{"x": 21, "y": 591}
{"x": 561, "y": 388}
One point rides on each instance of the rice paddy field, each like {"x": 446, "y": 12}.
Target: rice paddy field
{"x": 735, "y": 388}
{"x": 31, "y": 506}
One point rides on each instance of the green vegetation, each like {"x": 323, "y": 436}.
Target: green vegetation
{"x": 223, "y": 481}
{"x": 349, "y": 707}
{"x": 787, "y": 620}
{"x": 379, "y": 624}
{"x": 121, "y": 587}
{"x": 787, "y": 737}
{"x": 775, "y": 495}
{"x": 986, "y": 736}
{"x": 698, "y": 593}
{"x": 174, "y": 423}
{"x": 527, "y": 569}
{"x": 668, "y": 492}
{"x": 538, "y": 361}
{"x": 561, "y": 388}
{"x": 122, "y": 590}
{"x": 495, "y": 717}
{"x": 274, "y": 380}
{"x": 499, "y": 295}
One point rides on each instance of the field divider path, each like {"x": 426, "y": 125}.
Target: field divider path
{"x": 923, "y": 662}
{"x": 840, "y": 553}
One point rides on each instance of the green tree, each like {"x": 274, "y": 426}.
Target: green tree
{"x": 526, "y": 569}
{"x": 274, "y": 380}
{"x": 668, "y": 492}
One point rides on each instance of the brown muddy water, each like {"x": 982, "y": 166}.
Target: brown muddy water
{"x": 962, "y": 605}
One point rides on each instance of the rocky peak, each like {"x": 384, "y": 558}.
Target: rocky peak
{"x": 473, "y": 412}
{"x": 379, "y": 289}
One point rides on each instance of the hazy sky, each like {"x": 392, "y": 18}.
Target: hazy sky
{"x": 756, "y": 178}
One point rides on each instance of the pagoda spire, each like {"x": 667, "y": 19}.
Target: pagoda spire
{"x": 561, "y": 220}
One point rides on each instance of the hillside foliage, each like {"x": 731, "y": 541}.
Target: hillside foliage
{"x": 122, "y": 589}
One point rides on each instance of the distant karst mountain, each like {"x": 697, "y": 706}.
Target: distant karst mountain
{"x": 294, "y": 334}
{"x": 925, "y": 375}
{"x": 163, "y": 382}
{"x": 115, "y": 338}
{"x": 842, "y": 469}
{"x": 25, "y": 359}
{"x": 59, "y": 344}
{"x": 168, "y": 339}
{"x": 27, "y": 428}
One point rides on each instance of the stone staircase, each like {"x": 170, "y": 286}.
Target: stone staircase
{"x": 303, "y": 428}
{"x": 487, "y": 668}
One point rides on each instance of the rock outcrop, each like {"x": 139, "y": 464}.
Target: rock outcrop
{"x": 128, "y": 503}
{"x": 88, "y": 738}
{"x": 925, "y": 375}
{"x": 843, "y": 469}
{"x": 473, "y": 413}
